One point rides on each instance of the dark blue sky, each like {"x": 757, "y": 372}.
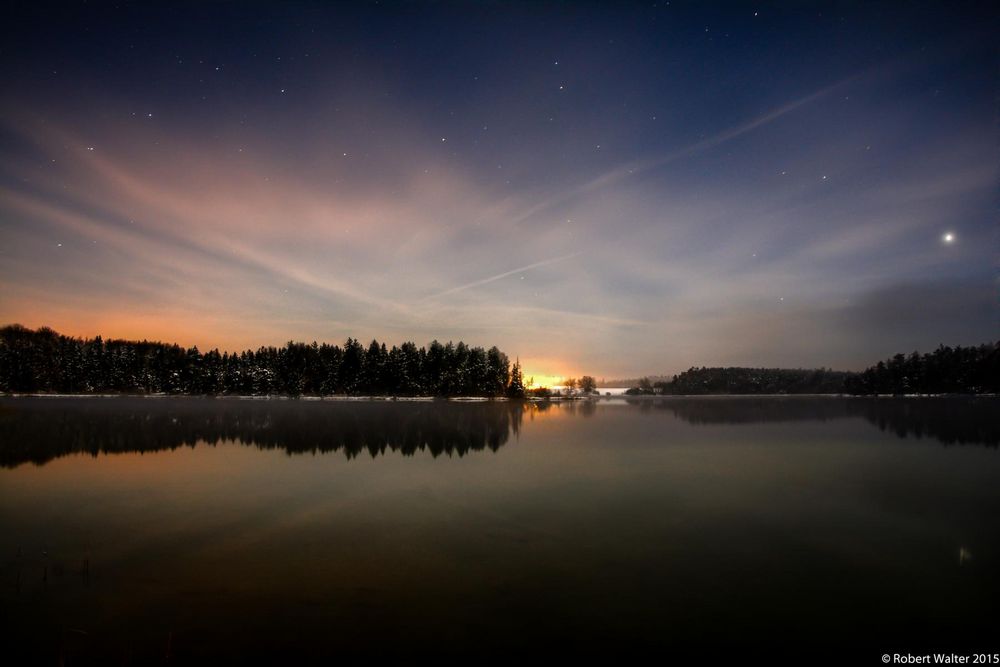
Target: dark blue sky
{"x": 612, "y": 188}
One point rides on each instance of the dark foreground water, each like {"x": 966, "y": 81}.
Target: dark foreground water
{"x": 137, "y": 531}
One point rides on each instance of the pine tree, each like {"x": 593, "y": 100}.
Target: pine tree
{"x": 516, "y": 387}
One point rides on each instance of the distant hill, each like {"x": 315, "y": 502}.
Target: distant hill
{"x": 946, "y": 370}
{"x": 735, "y": 380}
{"x": 632, "y": 382}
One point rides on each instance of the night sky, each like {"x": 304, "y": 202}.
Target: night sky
{"x": 613, "y": 189}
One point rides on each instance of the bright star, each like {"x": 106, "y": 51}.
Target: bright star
{"x": 948, "y": 237}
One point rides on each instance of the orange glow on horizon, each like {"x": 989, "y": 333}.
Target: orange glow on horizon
{"x": 174, "y": 326}
{"x": 540, "y": 380}
{"x": 167, "y": 327}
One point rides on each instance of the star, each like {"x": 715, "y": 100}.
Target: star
{"x": 948, "y": 238}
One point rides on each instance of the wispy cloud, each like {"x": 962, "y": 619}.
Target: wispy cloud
{"x": 689, "y": 256}
{"x": 501, "y": 276}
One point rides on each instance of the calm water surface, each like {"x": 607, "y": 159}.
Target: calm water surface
{"x": 197, "y": 530}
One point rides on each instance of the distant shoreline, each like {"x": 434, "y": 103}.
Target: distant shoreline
{"x": 481, "y": 399}
{"x": 308, "y": 398}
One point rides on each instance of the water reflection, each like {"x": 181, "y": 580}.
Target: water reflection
{"x": 950, "y": 420}
{"x": 39, "y": 430}
{"x": 661, "y": 526}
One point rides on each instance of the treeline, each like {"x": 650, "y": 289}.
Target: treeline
{"x": 45, "y": 361}
{"x": 946, "y": 370}
{"x": 733, "y": 380}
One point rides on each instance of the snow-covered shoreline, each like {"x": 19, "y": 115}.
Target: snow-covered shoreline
{"x": 283, "y": 397}
{"x": 481, "y": 399}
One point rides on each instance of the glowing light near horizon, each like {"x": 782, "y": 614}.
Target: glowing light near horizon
{"x": 948, "y": 238}
{"x": 542, "y": 380}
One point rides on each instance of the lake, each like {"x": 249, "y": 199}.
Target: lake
{"x": 183, "y": 530}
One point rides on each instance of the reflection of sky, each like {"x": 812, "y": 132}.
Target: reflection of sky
{"x": 632, "y": 516}
{"x": 608, "y": 191}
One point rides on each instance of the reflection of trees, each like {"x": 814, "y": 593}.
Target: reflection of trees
{"x": 748, "y": 410}
{"x": 952, "y": 420}
{"x": 40, "y": 430}
{"x": 44, "y": 429}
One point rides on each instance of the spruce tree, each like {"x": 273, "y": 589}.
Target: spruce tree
{"x": 516, "y": 387}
